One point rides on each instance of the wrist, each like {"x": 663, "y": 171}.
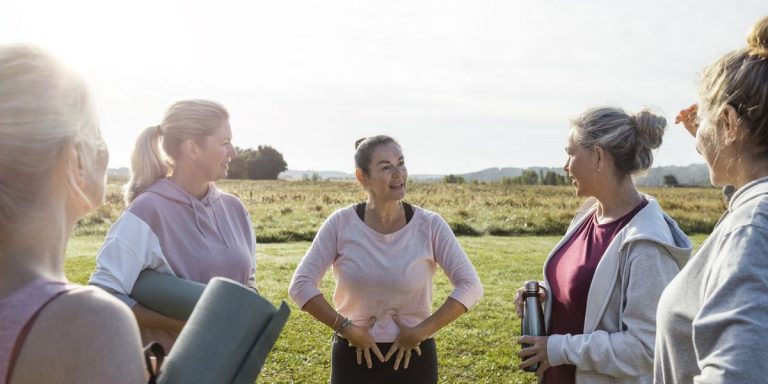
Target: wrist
{"x": 344, "y": 324}
{"x": 421, "y": 332}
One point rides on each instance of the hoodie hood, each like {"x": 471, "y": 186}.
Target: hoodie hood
{"x": 171, "y": 191}
{"x": 652, "y": 224}
{"x": 204, "y": 206}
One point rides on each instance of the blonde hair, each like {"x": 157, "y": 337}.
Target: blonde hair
{"x": 630, "y": 139}
{"x": 184, "y": 120}
{"x": 740, "y": 79}
{"x": 45, "y": 110}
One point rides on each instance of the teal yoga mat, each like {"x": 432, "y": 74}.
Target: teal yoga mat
{"x": 167, "y": 294}
{"x": 227, "y": 337}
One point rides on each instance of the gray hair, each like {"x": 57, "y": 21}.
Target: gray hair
{"x": 630, "y": 139}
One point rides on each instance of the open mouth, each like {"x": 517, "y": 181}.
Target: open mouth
{"x": 397, "y": 187}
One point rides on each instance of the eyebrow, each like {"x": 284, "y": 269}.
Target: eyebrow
{"x": 387, "y": 161}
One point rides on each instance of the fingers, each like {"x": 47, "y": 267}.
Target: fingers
{"x": 359, "y": 356}
{"x": 368, "y": 361}
{"x": 543, "y": 366}
{"x": 519, "y": 302}
{"x": 399, "y": 358}
{"x": 407, "y": 359}
{"x": 377, "y": 352}
{"x": 391, "y": 351}
{"x": 418, "y": 350}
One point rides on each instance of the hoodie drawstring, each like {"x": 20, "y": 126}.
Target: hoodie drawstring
{"x": 197, "y": 219}
{"x": 218, "y": 226}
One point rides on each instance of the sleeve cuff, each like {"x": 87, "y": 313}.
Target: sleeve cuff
{"x": 556, "y": 350}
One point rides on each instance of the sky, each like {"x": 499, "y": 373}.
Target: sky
{"x": 462, "y": 85}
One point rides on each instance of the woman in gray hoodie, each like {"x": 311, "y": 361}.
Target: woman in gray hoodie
{"x": 713, "y": 317}
{"x": 604, "y": 278}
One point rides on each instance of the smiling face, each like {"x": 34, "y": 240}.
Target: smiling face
{"x": 216, "y": 153}
{"x": 581, "y": 167}
{"x": 387, "y": 174}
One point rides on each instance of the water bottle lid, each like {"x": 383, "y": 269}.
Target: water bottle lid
{"x": 532, "y": 287}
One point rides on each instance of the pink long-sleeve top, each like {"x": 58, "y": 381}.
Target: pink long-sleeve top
{"x": 379, "y": 275}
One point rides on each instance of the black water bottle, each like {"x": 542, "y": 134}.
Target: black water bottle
{"x": 533, "y": 317}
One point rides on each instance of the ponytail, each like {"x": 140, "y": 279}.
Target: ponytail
{"x": 147, "y": 163}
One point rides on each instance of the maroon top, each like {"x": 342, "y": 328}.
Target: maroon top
{"x": 570, "y": 272}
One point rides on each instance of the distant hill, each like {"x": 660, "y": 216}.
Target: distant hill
{"x": 689, "y": 175}
{"x": 694, "y": 175}
{"x": 333, "y": 175}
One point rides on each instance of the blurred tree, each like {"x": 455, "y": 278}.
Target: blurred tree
{"x": 264, "y": 163}
{"x": 671, "y": 181}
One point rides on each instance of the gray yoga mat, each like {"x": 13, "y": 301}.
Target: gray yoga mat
{"x": 167, "y": 294}
{"x": 227, "y": 338}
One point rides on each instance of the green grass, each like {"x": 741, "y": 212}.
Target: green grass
{"x": 477, "y": 348}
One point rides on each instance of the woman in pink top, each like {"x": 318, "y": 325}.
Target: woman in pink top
{"x": 52, "y": 171}
{"x": 384, "y": 253}
{"x": 604, "y": 279}
{"x": 177, "y": 221}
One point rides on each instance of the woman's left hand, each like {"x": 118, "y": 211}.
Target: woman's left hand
{"x": 536, "y": 352}
{"x": 407, "y": 340}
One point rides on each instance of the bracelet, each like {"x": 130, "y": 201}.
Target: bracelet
{"x": 344, "y": 324}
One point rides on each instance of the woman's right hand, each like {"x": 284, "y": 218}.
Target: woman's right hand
{"x": 359, "y": 338}
{"x": 689, "y": 118}
{"x": 519, "y": 302}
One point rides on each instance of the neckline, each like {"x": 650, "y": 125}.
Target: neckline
{"x": 385, "y": 236}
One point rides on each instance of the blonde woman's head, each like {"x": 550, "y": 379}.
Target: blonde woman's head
{"x": 51, "y": 151}
{"x": 158, "y": 147}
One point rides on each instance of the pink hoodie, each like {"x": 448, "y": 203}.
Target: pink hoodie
{"x": 168, "y": 230}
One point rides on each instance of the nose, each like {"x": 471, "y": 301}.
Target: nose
{"x": 566, "y": 167}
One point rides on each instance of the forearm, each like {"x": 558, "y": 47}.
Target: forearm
{"x": 448, "y": 312}
{"x": 148, "y": 318}
{"x": 321, "y": 310}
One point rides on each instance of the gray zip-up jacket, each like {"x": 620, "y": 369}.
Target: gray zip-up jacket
{"x": 617, "y": 343}
{"x": 713, "y": 317}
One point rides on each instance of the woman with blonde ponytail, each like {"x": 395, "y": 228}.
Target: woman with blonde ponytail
{"x": 177, "y": 221}
{"x": 713, "y": 317}
{"x": 52, "y": 172}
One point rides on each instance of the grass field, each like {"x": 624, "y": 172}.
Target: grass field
{"x": 477, "y": 348}
{"x": 285, "y": 211}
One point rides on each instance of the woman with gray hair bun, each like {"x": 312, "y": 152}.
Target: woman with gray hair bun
{"x": 603, "y": 279}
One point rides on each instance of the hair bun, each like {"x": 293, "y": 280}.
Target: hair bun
{"x": 359, "y": 141}
{"x": 757, "y": 40}
{"x": 650, "y": 128}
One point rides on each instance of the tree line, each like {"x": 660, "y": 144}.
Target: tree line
{"x": 528, "y": 177}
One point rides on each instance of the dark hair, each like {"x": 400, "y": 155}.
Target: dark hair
{"x": 364, "y": 150}
{"x": 629, "y": 138}
{"x": 740, "y": 79}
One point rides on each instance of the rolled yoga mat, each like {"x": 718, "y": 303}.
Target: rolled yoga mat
{"x": 227, "y": 338}
{"x": 167, "y": 294}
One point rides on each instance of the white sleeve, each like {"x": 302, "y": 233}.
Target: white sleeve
{"x": 130, "y": 247}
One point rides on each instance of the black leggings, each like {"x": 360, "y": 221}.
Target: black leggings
{"x": 344, "y": 369}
